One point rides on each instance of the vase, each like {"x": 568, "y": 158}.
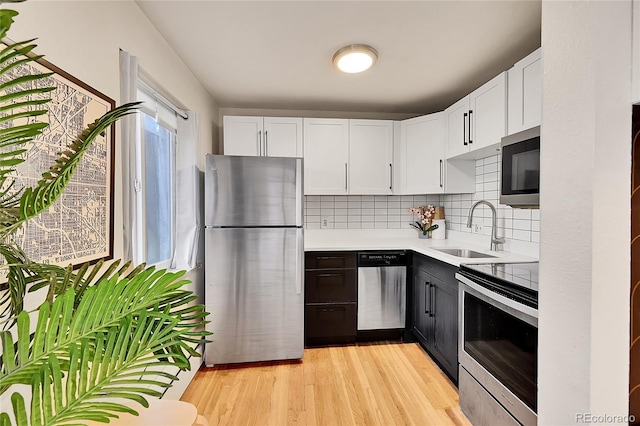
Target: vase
{"x": 423, "y": 236}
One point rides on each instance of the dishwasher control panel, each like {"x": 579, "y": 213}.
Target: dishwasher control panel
{"x": 387, "y": 258}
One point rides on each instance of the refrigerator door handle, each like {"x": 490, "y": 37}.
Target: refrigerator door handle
{"x": 299, "y": 260}
{"x": 299, "y": 194}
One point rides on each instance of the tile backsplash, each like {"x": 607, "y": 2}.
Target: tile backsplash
{"x": 515, "y": 224}
{"x": 363, "y": 211}
{"x": 392, "y": 211}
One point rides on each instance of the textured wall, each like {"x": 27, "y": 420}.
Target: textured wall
{"x": 584, "y": 250}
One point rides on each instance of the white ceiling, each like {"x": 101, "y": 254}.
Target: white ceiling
{"x": 277, "y": 54}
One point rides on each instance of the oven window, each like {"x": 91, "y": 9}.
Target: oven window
{"x": 504, "y": 345}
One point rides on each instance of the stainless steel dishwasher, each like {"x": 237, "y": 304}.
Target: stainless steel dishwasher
{"x": 382, "y": 290}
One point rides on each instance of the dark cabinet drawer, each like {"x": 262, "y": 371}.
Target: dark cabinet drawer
{"x": 329, "y": 260}
{"x": 330, "y": 285}
{"x": 330, "y": 320}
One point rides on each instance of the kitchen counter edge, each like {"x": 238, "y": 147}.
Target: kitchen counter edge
{"x": 357, "y": 240}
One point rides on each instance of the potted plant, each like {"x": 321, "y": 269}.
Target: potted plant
{"x": 102, "y": 330}
{"x": 425, "y": 217}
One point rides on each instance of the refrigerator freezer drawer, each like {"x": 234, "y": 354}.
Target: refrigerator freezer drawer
{"x": 254, "y": 294}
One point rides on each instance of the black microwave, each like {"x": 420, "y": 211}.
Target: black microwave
{"x": 520, "y": 179}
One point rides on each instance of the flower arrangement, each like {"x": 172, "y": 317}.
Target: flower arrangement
{"x": 425, "y": 216}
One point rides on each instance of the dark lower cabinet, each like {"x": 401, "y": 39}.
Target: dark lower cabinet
{"x": 435, "y": 311}
{"x": 335, "y": 321}
{"x": 331, "y": 295}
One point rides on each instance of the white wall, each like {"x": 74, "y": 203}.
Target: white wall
{"x": 84, "y": 37}
{"x": 585, "y": 210}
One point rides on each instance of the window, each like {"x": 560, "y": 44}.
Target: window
{"x": 158, "y": 187}
{"x": 161, "y": 194}
{"x": 157, "y": 207}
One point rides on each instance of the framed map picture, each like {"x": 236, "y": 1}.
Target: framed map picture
{"x": 78, "y": 228}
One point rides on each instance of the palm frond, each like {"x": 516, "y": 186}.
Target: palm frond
{"x": 53, "y": 182}
{"x": 101, "y": 310}
{"x": 6, "y": 19}
{"x": 24, "y": 277}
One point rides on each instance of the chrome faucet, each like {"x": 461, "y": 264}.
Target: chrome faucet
{"x": 494, "y": 216}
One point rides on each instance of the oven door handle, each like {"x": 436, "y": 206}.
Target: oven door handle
{"x": 525, "y": 313}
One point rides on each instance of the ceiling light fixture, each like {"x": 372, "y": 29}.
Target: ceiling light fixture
{"x": 355, "y": 58}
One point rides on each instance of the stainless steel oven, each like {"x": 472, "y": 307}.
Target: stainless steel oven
{"x": 498, "y": 346}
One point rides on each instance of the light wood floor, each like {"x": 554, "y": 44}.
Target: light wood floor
{"x": 379, "y": 384}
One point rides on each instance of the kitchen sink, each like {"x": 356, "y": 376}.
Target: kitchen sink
{"x": 459, "y": 252}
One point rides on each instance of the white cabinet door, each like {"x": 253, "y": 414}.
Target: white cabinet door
{"x": 242, "y": 135}
{"x": 422, "y": 149}
{"x": 282, "y": 137}
{"x": 477, "y": 122}
{"x": 370, "y": 156}
{"x": 524, "y": 94}
{"x": 326, "y": 156}
{"x": 488, "y": 109}
{"x": 457, "y": 117}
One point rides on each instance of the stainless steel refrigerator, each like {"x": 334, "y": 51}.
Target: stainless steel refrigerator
{"x": 254, "y": 259}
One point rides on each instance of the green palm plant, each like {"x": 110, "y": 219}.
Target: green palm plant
{"x": 103, "y": 330}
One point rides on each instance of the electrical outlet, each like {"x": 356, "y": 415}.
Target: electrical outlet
{"x": 325, "y": 222}
{"x": 477, "y": 228}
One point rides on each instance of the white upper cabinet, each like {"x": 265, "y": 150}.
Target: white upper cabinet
{"x": 457, "y": 116}
{"x": 282, "y": 137}
{"x": 242, "y": 135}
{"x": 344, "y": 156}
{"x": 525, "y": 93}
{"x": 370, "y": 156}
{"x": 326, "y": 156}
{"x": 422, "y": 166}
{"x": 262, "y": 136}
{"x": 476, "y": 123}
{"x": 421, "y": 154}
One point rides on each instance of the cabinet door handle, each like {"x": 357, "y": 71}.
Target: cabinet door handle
{"x": 441, "y": 170}
{"x": 266, "y": 147}
{"x": 432, "y": 297}
{"x": 390, "y": 176}
{"x": 426, "y": 293}
{"x": 260, "y": 143}
{"x": 470, "y": 113}
{"x": 345, "y": 177}
{"x": 330, "y": 275}
{"x": 464, "y": 129}
{"x": 331, "y": 309}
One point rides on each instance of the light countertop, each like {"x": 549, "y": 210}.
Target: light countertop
{"x": 401, "y": 239}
